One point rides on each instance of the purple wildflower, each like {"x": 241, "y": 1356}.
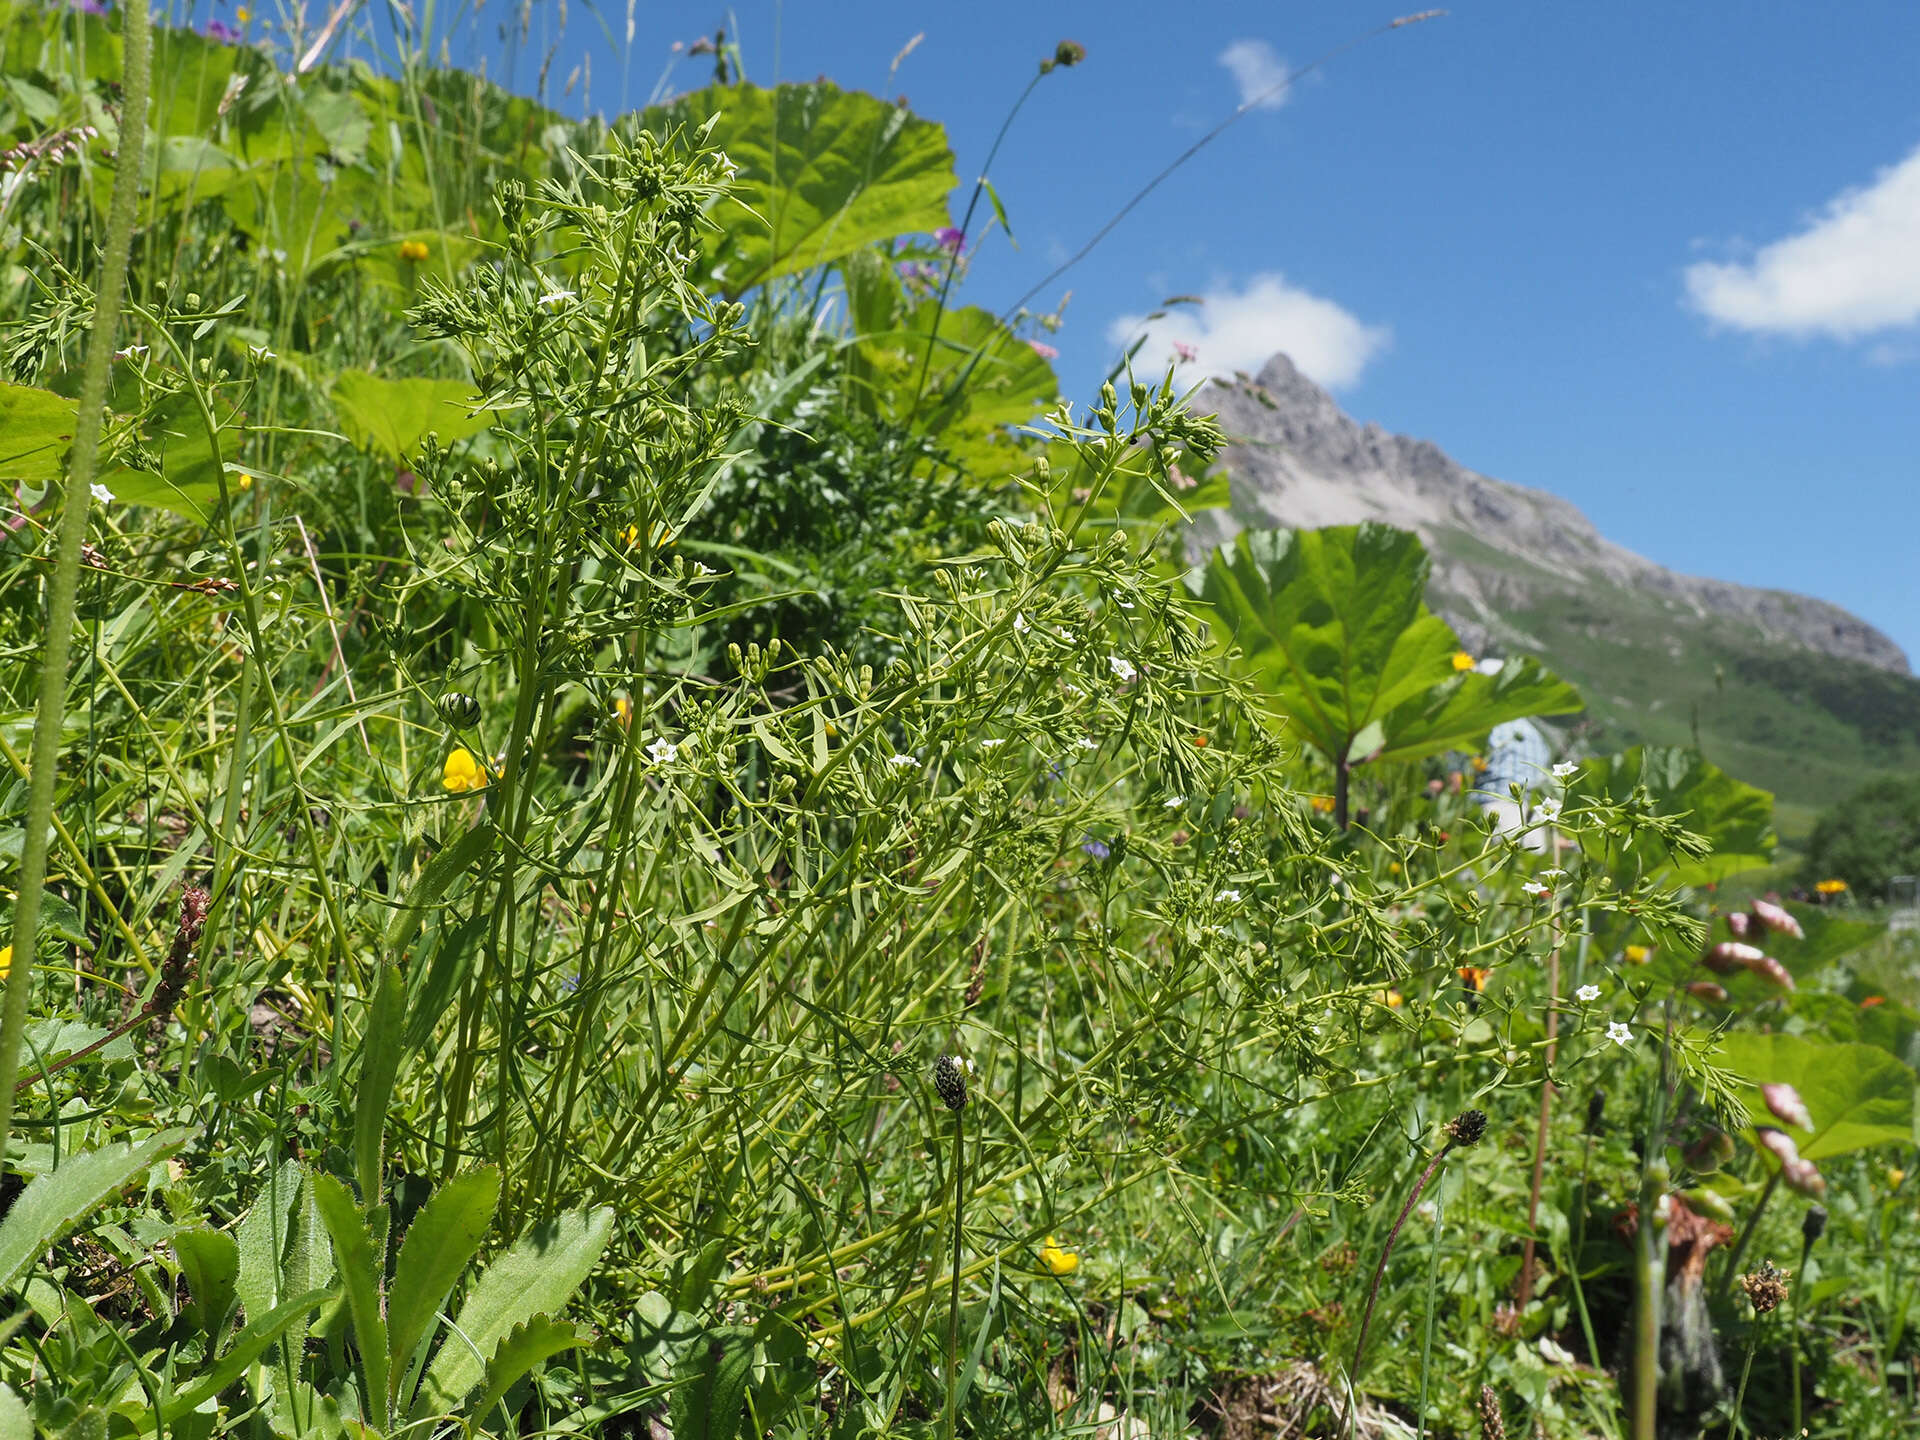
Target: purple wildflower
{"x": 220, "y": 32}
{"x": 1097, "y": 848}
{"x": 89, "y": 7}
{"x": 950, "y": 240}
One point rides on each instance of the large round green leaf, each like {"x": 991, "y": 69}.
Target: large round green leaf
{"x": 1858, "y": 1095}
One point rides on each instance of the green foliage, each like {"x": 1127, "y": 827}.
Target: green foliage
{"x": 817, "y": 173}
{"x": 1333, "y": 626}
{"x": 1733, "y": 818}
{"x": 1868, "y": 838}
{"x": 394, "y": 416}
{"x": 1858, "y": 1095}
{"x": 57, "y": 1201}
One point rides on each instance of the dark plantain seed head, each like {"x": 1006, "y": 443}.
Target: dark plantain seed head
{"x": 950, "y": 1081}
{"x": 1467, "y": 1128}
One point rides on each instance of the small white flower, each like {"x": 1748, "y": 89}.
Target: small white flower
{"x": 1065, "y": 634}
{"x": 1231, "y": 897}
{"x": 1020, "y": 626}
{"x": 1086, "y": 742}
{"x": 101, "y": 493}
{"x": 555, "y": 296}
{"x": 1587, "y": 994}
{"x": 259, "y": 353}
{"x": 903, "y": 762}
{"x": 1122, "y": 668}
{"x": 1174, "y": 802}
{"x": 700, "y": 569}
{"x": 1547, "y": 809}
{"x": 132, "y": 352}
{"x": 1554, "y": 874}
{"x": 991, "y": 744}
{"x": 662, "y": 751}
{"x": 1124, "y": 604}
{"x": 1565, "y": 770}
{"x": 1619, "y": 1034}
{"x": 1536, "y": 889}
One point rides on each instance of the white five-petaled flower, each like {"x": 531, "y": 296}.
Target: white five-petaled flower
{"x": 1547, "y": 809}
{"x": 1122, "y": 668}
{"x": 1232, "y": 897}
{"x": 662, "y": 751}
{"x": 1174, "y": 802}
{"x": 903, "y": 761}
{"x": 131, "y": 352}
{"x": 700, "y": 569}
{"x": 990, "y": 744}
{"x": 1536, "y": 889}
{"x": 1086, "y": 742}
{"x": 101, "y": 493}
{"x": 259, "y": 353}
{"x": 1566, "y": 770}
{"x": 555, "y": 296}
{"x": 1619, "y": 1034}
{"x": 1020, "y": 626}
{"x": 1554, "y": 874}
{"x": 1587, "y": 994}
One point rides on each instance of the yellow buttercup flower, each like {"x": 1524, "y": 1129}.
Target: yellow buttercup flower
{"x": 1462, "y": 660}
{"x": 463, "y": 771}
{"x": 1393, "y": 998}
{"x": 413, "y": 251}
{"x": 1058, "y": 1261}
{"x": 243, "y": 14}
{"x": 1322, "y": 804}
{"x": 1639, "y": 954}
{"x": 623, "y": 711}
{"x": 1831, "y": 887}
{"x": 6, "y": 961}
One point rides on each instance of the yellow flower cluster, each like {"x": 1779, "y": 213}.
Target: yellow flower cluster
{"x": 1830, "y": 887}
{"x": 413, "y": 251}
{"x": 1462, "y": 660}
{"x": 1058, "y": 1261}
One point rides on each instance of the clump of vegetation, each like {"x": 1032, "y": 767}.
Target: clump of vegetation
{"x": 621, "y": 854}
{"x": 1868, "y": 838}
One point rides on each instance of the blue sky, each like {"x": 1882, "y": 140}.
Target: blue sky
{"x": 1663, "y": 260}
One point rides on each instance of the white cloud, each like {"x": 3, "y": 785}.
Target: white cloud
{"x": 1242, "y": 330}
{"x": 1853, "y": 270}
{"x": 1260, "y": 74}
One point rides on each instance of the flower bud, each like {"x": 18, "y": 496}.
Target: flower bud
{"x": 1785, "y": 1102}
{"x": 1738, "y": 923}
{"x": 1779, "y": 1144}
{"x": 1805, "y": 1177}
{"x": 459, "y": 709}
{"x": 1467, "y": 1128}
{"x": 950, "y": 1081}
{"x": 1814, "y": 1225}
{"x": 1731, "y": 955}
{"x": 1777, "y": 919}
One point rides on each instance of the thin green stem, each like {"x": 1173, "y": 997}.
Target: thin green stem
{"x": 1746, "y": 1369}
{"x": 953, "y": 1304}
{"x": 64, "y": 583}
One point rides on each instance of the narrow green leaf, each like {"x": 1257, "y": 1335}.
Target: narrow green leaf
{"x": 440, "y": 872}
{"x": 360, "y": 1277}
{"x": 380, "y": 1055}
{"x": 55, "y": 1203}
{"x": 246, "y": 1348}
{"x": 443, "y": 1238}
{"x": 536, "y": 1276}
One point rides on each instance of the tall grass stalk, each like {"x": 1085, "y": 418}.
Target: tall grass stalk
{"x": 64, "y": 583}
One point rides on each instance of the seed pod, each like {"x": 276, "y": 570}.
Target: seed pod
{"x": 459, "y": 709}
{"x": 1766, "y": 1287}
{"x": 950, "y": 1081}
{"x": 1468, "y": 1127}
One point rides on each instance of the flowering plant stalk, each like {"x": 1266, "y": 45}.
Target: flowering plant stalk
{"x": 64, "y": 582}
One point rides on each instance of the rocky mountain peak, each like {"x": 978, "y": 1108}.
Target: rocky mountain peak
{"x": 1499, "y": 550}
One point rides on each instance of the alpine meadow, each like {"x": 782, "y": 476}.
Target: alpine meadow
{"x": 617, "y": 819}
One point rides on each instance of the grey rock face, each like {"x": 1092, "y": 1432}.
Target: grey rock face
{"x": 1297, "y": 459}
